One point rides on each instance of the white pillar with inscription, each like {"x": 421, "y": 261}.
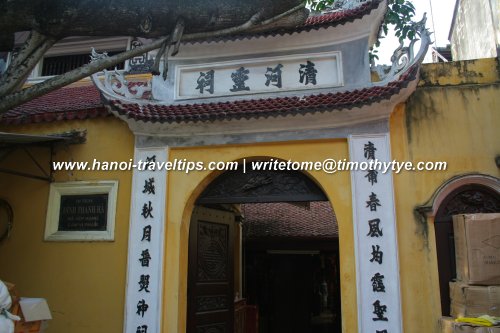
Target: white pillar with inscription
{"x": 146, "y": 242}
{"x": 376, "y": 248}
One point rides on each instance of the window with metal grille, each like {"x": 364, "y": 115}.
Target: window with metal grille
{"x": 61, "y": 64}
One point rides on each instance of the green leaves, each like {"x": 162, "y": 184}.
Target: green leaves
{"x": 399, "y": 14}
{"x": 319, "y": 5}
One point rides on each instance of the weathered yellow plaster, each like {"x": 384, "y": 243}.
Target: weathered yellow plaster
{"x": 84, "y": 283}
{"x": 456, "y": 124}
{"x": 185, "y": 188}
{"x": 482, "y": 71}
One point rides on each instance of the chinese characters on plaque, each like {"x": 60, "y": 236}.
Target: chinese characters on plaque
{"x": 376, "y": 238}
{"x": 273, "y": 76}
{"x": 258, "y": 75}
{"x": 146, "y": 246}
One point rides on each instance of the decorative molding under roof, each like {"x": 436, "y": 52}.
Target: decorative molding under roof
{"x": 257, "y": 108}
{"x": 132, "y": 102}
{"x": 136, "y": 105}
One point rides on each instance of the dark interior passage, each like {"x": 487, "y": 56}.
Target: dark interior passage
{"x": 294, "y": 292}
{"x": 291, "y": 267}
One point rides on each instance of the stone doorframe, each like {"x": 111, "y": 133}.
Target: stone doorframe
{"x": 371, "y": 305}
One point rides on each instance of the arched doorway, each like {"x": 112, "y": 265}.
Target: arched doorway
{"x": 214, "y": 247}
{"x": 465, "y": 199}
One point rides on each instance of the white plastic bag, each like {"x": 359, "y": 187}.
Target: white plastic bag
{"x": 6, "y": 318}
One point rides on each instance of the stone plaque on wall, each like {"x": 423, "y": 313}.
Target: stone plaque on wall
{"x": 83, "y": 212}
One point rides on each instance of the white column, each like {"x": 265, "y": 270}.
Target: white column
{"x": 376, "y": 248}
{"x": 146, "y": 243}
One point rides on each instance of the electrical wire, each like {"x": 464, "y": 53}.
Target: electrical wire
{"x": 433, "y": 25}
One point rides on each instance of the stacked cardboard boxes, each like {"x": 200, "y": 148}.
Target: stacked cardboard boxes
{"x": 477, "y": 289}
{"x": 474, "y": 301}
{"x": 477, "y": 248}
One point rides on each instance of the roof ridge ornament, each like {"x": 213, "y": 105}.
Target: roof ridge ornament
{"x": 117, "y": 86}
{"x": 404, "y": 57}
{"x": 94, "y": 55}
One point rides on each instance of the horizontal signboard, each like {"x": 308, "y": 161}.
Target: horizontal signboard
{"x": 273, "y": 74}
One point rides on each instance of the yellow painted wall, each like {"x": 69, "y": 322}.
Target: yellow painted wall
{"x": 185, "y": 188}
{"x": 454, "y": 117}
{"x": 84, "y": 283}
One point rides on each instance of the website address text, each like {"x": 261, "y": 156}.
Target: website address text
{"x": 328, "y": 165}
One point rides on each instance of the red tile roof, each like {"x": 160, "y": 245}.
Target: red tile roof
{"x": 260, "y": 108}
{"x": 62, "y": 104}
{"x": 85, "y": 102}
{"x": 284, "y": 220}
{"x": 341, "y": 16}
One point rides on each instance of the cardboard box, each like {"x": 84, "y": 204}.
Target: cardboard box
{"x": 474, "y": 301}
{"x": 477, "y": 248}
{"x": 448, "y": 325}
{"x": 34, "y": 313}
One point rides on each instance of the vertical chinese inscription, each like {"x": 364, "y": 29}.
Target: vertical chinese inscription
{"x": 145, "y": 258}
{"x": 149, "y": 186}
{"x": 149, "y": 190}
{"x": 375, "y": 231}
{"x": 378, "y": 283}
{"x": 142, "y": 329}
{"x": 146, "y": 233}
{"x": 144, "y": 283}
{"x": 147, "y": 210}
{"x": 142, "y": 307}
{"x": 377, "y": 255}
{"x": 373, "y": 202}
{"x": 143, "y": 304}
{"x": 372, "y": 176}
{"x": 369, "y": 151}
{"x": 380, "y": 309}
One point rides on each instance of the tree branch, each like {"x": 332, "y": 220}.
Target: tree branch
{"x": 22, "y": 65}
{"x": 17, "y": 98}
{"x": 34, "y": 40}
